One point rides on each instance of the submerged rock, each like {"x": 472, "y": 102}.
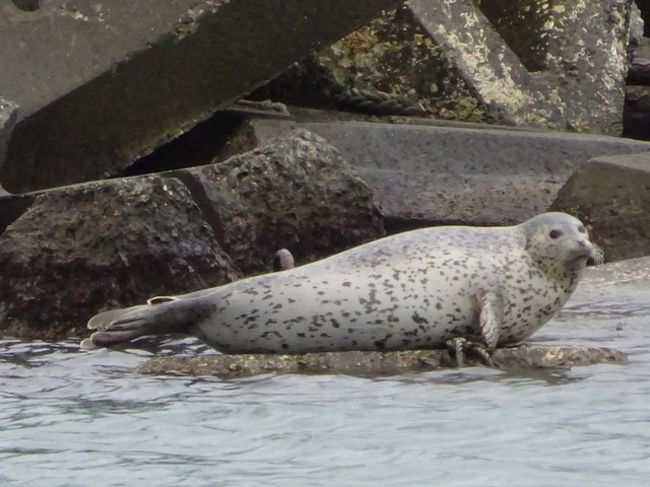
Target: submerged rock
{"x": 375, "y": 363}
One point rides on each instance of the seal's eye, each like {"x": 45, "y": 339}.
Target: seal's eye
{"x": 555, "y": 234}
{"x": 582, "y": 229}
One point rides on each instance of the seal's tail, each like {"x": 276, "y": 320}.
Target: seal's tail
{"x": 159, "y": 316}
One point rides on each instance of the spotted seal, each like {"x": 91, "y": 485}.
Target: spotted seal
{"x": 418, "y": 289}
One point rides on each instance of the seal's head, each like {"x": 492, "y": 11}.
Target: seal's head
{"x": 558, "y": 241}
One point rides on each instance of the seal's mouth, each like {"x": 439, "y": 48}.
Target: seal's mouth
{"x": 596, "y": 255}
{"x": 588, "y": 253}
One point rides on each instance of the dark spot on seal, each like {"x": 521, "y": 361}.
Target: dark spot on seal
{"x": 419, "y": 319}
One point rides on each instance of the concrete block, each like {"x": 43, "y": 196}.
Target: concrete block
{"x": 528, "y": 62}
{"x": 445, "y": 175}
{"x": 531, "y": 63}
{"x": 612, "y": 196}
{"x": 104, "y": 83}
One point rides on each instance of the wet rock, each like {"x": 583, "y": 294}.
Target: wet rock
{"x": 374, "y": 363}
{"x": 101, "y": 84}
{"x": 610, "y": 194}
{"x": 8, "y": 114}
{"x": 86, "y": 248}
{"x": 611, "y": 278}
{"x": 295, "y": 192}
{"x": 425, "y": 174}
{"x": 510, "y": 62}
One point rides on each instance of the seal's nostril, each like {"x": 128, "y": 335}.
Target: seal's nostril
{"x": 582, "y": 243}
{"x": 28, "y": 5}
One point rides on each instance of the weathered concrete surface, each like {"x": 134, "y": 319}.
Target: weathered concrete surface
{"x": 295, "y": 192}
{"x": 374, "y": 363}
{"x": 442, "y": 175}
{"x": 86, "y": 248}
{"x": 390, "y": 66}
{"x": 103, "y": 83}
{"x": 576, "y": 60}
{"x": 610, "y": 194}
{"x": 524, "y": 63}
{"x": 8, "y": 115}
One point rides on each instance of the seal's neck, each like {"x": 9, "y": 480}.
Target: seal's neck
{"x": 565, "y": 274}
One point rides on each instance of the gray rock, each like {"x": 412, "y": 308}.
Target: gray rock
{"x": 86, "y": 248}
{"x": 8, "y": 114}
{"x": 295, "y": 192}
{"x": 446, "y": 175}
{"x": 610, "y": 194}
{"x": 102, "y": 83}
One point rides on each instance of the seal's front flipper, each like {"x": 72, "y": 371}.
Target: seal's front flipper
{"x": 459, "y": 346}
{"x": 490, "y": 318}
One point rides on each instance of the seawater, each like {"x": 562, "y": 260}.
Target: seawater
{"x": 72, "y": 418}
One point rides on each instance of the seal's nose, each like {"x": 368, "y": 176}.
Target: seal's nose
{"x": 584, "y": 244}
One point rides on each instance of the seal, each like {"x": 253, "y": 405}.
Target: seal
{"x": 414, "y": 290}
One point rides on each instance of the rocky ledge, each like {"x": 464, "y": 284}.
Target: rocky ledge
{"x": 375, "y": 363}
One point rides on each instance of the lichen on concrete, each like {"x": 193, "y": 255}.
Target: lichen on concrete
{"x": 391, "y": 55}
{"x": 534, "y": 63}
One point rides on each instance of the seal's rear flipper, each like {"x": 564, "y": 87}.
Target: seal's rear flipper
{"x": 164, "y": 315}
{"x": 101, "y": 321}
{"x": 119, "y": 326}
